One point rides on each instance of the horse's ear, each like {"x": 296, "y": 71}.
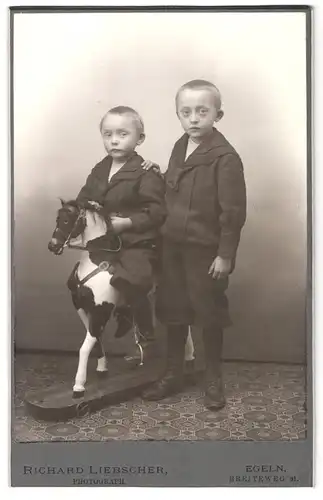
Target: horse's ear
{"x": 62, "y": 201}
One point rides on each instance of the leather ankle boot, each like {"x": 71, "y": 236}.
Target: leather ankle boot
{"x": 172, "y": 380}
{"x": 214, "y": 396}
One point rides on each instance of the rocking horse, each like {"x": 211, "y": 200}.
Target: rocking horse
{"x": 92, "y": 295}
{"x": 80, "y": 226}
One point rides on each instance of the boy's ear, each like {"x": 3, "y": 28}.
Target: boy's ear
{"x": 219, "y": 115}
{"x": 141, "y": 139}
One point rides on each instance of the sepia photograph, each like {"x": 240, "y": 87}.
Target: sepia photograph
{"x": 161, "y": 243}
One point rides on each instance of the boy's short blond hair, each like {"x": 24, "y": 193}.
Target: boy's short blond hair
{"x": 125, "y": 110}
{"x": 202, "y": 85}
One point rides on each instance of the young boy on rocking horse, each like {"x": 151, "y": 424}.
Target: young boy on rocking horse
{"x": 133, "y": 198}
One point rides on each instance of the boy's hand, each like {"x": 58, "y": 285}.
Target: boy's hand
{"x": 120, "y": 224}
{"x": 148, "y": 164}
{"x": 220, "y": 268}
{"x": 95, "y": 204}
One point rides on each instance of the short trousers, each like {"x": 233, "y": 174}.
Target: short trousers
{"x": 134, "y": 271}
{"x": 186, "y": 293}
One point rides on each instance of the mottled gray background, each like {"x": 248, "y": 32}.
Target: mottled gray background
{"x": 70, "y": 68}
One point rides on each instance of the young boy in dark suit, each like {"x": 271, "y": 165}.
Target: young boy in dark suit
{"x": 206, "y": 205}
{"x": 134, "y": 200}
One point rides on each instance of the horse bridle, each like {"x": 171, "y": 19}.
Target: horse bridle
{"x": 66, "y": 244}
{"x": 81, "y": 215}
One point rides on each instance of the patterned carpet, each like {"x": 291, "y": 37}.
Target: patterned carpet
{"x": 265, "y": 402}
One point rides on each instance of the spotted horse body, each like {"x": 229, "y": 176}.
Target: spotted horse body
{"x": 82, "y": 227}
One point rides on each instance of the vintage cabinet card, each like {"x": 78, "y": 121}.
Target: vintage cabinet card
{"x": 162, "y": 246}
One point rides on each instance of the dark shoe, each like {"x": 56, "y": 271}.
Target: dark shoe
{"x": 166, "y": 386}
{"x": 172, "y": 380}
{"x": 214, "y": 397}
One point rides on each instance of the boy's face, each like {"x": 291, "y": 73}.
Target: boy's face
{"x": 197, "y": 112}
{"x": 121, "y": 135}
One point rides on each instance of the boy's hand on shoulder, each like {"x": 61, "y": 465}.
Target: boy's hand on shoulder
{"x": 148, "y": 165}
{"x": 220, "y": 268}
{"x": 120, "y": 224}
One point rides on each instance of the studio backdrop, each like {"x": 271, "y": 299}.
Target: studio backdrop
{"x": 70, "y": 68}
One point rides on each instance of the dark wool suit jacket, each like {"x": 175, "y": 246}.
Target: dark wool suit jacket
{"x": 132, "y": 192}
{"x": 206, "y": 195}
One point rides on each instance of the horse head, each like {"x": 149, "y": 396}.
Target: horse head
{"x": 70, "y": 223}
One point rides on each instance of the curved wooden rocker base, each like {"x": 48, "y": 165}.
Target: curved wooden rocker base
{"x": 58, "y": 403}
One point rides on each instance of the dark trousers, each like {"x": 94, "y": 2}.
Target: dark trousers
{"x": 186, "y": 293}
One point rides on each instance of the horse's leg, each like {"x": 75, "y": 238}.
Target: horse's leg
{"x": 101, "y": 367}
{"x": 101, "y": 299}
{"x": 109, "y": 296}
{"x": 80, "y": 378}
{"x": 189, "y": 346}
{"x": 102, "y": 362}
{"x": 190, "y": 359}
{"x": 78, "y": 301}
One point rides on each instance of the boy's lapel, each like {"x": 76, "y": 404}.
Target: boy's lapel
{"x": 130, "y": 170}
{"x": 207, "y": 151}
{"x": 179, "y": 152}
{"x": 204, "y": 155}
